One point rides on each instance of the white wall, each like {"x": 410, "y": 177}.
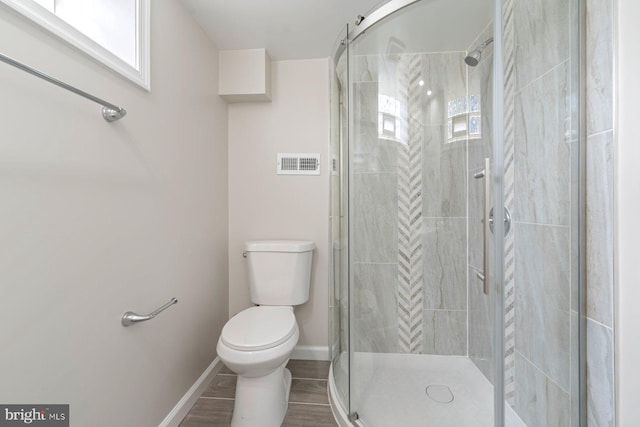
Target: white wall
{"x": 263, "y": 205}
{"x": 100, "y": 218}
{"x": 628, "y": 215}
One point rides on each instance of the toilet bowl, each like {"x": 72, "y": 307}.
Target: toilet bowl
{"x": 257, "y": 342}
{"x": 256, "y": 345}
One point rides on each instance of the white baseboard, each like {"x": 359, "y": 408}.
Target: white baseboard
{"x": 310, "y": 352}
{"x": 175, "y": 417}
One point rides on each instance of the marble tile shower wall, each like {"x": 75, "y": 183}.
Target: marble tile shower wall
{"x": 441, "y": 217}
{"x": 542, "y": 211}
{"x": 600, "y": 155}
{"x": 545, "y": 313}
{"x": 374, "y": 218}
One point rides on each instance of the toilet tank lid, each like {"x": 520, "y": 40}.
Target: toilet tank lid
{"x": 279, "y": 246}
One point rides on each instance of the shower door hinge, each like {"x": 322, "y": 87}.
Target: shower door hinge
{"x": 507, "y": 220}
{"x": 353, "y": 417}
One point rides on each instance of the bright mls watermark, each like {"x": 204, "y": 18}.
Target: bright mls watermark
{"x": 34, "y": 415}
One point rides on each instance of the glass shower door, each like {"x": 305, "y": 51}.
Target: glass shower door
{"x": 339, "y": 290}
{"x": 541, "y": 167}
{"x": 458, "y": 294}
{"x": 420, "y": 125}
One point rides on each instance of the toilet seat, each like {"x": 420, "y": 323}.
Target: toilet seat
{"x": 259, "y": 328}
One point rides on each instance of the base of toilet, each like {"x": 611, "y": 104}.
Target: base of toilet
{"x": 262, "y": 401}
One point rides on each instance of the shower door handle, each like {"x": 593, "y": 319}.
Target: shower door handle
{"x": 486, "y": 225}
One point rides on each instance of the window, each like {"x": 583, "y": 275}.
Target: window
{"x": 115, "y": 32}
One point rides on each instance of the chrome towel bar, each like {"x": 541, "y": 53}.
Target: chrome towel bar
{"x": 129, "y": 318}
{"x": 110, "y": 112}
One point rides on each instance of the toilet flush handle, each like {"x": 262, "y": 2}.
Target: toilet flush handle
{"x": 244, "y": 254}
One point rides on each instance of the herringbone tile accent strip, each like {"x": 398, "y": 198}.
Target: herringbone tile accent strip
{"x": 509, "y": 138}
{"x": 410, "y": 268}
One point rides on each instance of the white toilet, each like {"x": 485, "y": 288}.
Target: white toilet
{"x": 257, "y": 342}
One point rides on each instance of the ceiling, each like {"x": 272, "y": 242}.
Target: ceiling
{"x": 288, "y": 29}
{"x": 301, "y": 29}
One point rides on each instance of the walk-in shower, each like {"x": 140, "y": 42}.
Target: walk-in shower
{"x": 443, "y": 314}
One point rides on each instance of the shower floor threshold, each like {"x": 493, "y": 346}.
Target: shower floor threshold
{"x": 389, "y": 389}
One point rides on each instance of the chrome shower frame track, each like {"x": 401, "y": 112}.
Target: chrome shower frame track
{"x": 363, "y": 23}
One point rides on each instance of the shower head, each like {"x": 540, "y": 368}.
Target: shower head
{"x": 473, "y": 58}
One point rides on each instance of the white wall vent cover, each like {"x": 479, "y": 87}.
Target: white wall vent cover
{"x": 298, "y": 164}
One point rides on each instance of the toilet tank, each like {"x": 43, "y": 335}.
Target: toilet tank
{"x": 279, "y": 271}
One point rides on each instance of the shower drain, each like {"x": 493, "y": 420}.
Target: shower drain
{"x": 439, "y": 393}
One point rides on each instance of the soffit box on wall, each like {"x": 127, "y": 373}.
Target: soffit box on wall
{"x": 244, "y": 75}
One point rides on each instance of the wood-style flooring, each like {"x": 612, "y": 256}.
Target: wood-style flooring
{"x": 308, "y": 400}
